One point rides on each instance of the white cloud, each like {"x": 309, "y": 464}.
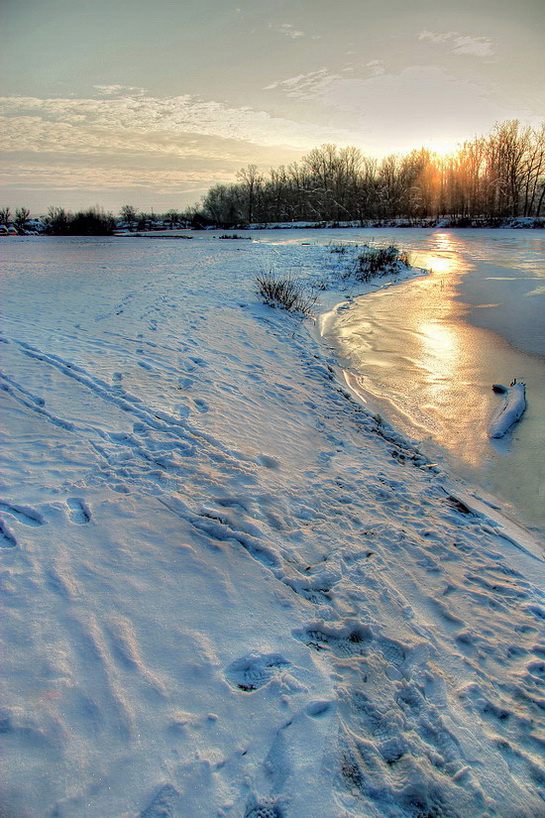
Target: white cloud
{"x": 116, "y": 90}
{"x": 287, "y": 30}
{"x": 436, "y": 37}
{"x": 419, "y": 105}
{"x": 476, "y": 46}
{"x": 75, "y": 175}
{"x": 137, "y": 142}
{"x": 306, "y": 86}
{"x": 136, "y": 121}
{"x": 461, "y": 44}
{"x": 376, "y": 67}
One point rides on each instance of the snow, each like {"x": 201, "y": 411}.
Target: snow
{"x": 227, "y": 588}
{"x": 509, "y": 411}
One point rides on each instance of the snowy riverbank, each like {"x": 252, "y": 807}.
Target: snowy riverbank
{"x": 227, "y": 589}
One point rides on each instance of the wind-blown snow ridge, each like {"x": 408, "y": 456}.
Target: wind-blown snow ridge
{"x": 227, "y": 589}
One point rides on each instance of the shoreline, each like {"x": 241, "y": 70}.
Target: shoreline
{"x": 432, "y": 223}
{"x": 468, "y": 481}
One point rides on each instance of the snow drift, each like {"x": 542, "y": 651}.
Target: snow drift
{"x": 227, "y": 589}
{"x": 510, "y": 410}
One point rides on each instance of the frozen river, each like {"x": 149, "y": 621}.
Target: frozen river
{"x": 425, "y": 354}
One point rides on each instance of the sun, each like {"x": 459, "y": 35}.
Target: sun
{"x": 442, "y": 146}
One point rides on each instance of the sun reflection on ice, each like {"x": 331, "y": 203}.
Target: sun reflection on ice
{"x": 439, "y": 264}
{"x": 440, "y": 351}
{"x": 414, "y": 355}
{"x": 410, "y": 349}
{"x": 444, "y": 258}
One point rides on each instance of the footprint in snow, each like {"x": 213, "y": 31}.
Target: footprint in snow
{"x": 25, "y": 515}
{"x": 78, "y": 512}
{"x": 536, "y": 670}
{"x": 268, "y": 461}
{"x": 254, "y": 671}
{"x": 165, "y": 803}
{"x": 267, "y": 808}
{"x": 198, "y": 361}
{"x": 7, "y": 539}
{"x": 145, "y": 365}
{"x": 201, "y": 405}
{"x": 350, "y": 640}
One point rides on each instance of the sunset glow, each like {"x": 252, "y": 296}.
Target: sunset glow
{"x": 105, "y": 108}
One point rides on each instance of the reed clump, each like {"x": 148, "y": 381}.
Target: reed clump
{"x": 376, "y": 262}
{"x": 285, "y": 293}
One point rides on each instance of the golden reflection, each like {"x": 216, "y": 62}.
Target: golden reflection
{"x": 444, "y": 258}
{"x": 440, "y": 351}
{"x": 444, "y": 242}
{"x": 438, "y": 264}
{"x": 413, "y": 357}
{"x": 445, "y": 390}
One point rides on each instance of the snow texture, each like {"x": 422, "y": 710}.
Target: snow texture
{"x": 227, "y": 589}
{"x": 509, "y": 411}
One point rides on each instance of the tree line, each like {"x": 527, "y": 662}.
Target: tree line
{"x": 491, "y": 177}
{"x": 93, "y": 221}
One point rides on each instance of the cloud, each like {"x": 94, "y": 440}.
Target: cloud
{"x": 116, "y": 90}
{"x": 436, "y": 37}
{"x": 72, "y": 182}
{"x": 136, "y": 121}
{"x": 306, "y": 86}
{"x": 286, "y": 30}
{"x": 398, "y": 111}
{"x": 376, "y": 67}
{"x": 461, "y": 44}
{"x": 126, "y": 139}
{"x": 72, "y": 174}
{"x": 476, "y": 46}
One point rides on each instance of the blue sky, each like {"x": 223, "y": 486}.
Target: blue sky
{"x": 149, "y": 103}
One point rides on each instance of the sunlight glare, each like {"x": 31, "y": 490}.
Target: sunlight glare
{"x": 444, "y": 259}
{"x": 440, "y": 351}
{"x": 442, "y": 148}
{"x": 439, "y": 264}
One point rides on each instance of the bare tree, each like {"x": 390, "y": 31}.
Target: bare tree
{"x": 499, "y": 175}
{"x": 534, "y": 172}
{"x": 250, "y": 181}
{"x": 129, "y": 215}
{"x": 172, "y": 217}
{"x": 506, "y": 149}
{"x": 389, "y": 186}
{"x": 21, "y": 217}
{"x": 58, "y": 220}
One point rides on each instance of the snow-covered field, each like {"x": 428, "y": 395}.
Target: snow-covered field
{"x": 227, "y": 589}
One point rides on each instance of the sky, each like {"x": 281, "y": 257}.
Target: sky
{"x": 116, "y": 102}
